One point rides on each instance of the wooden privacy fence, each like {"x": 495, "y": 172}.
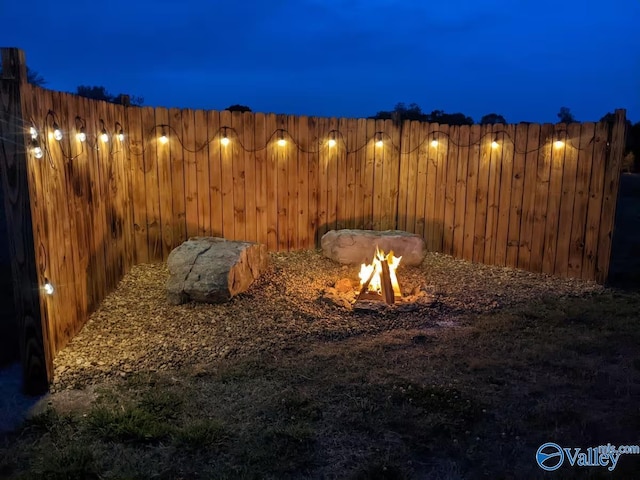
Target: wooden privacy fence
{"x": 92, "y": 188}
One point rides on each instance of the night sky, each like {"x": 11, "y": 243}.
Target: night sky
{"x": 522, "y": 59}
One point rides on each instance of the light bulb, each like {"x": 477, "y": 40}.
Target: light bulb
{"x": 332, "y": 143}
{"x": 48, "y": 288}
{"x": 104, "y": 137}
{"x": 81, "y": 136}
{"x": 37, "y": 152}
{"x": 434, "y": 143}
{"x": 379, "y": 143}
{"x": 121, "y": 136}
{"x": 33, "y": 132}
{"x": 282, "y": 142}
{"x": 57, "y": 133}
{"x": 494, "y": 144}
{"x": 163, "y": 139}
{"x": 224, "y": 141}
{"x": 558, "y": 144}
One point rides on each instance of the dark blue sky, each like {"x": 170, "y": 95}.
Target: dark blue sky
{"x": 523, "y": 59}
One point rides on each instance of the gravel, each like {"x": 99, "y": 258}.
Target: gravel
{"x": 135, "y": 329}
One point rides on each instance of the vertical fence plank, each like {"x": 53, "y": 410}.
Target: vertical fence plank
{"x": 226, "y": 176}
{"x": 529, "y": 195}
{"x": 482, "y": 196}
{"x": 460, "y": 202}
{"x": 215, "y": 133}
{"x": 339, "y": 153}
{"x": 293, "y": 150}
{"x": 272, "y": 182}
{"x": 137, "y": 145}
{"x": 332, "y": 176}
{"x": 493, "y": 192}
{"x": 191, "y": 172}
{"x": 379, "y": 142}
{"x": 472, "y": 191}
{"x": 594, "y": 208}
{"x": 125, "y": 162}
{"x": 250, "y": 172}
{"x": 431, "y": 184}
{"x": 543, "y": 178}
{"x": 553, "y": 202}
{"x": 503, "y": 194}
{"x": 165, "y": 189}
{"x": 567, "y": 197}
{"x": 450, "y": 189}
{"x": 306, "y": 145}
{"x": 282, "y": 191}
{"x": 610, "y": 195}
{"x": 238, "y": 186}
{"x": 442, "y": 164}
{"x": 177, "y": 167}
{"x": 517, "y": 189}
{"x": 350, "y": 145}
{"x": 404, "y": 191}
{"x": 584, "y": 145}
{"x": 201, "y": 146}
{"x": 314, "y": 156}
{"x": 361, "y": 164}
{"x": 416, "y": 183}
{"x": 391, "y": 172}
{"x": 323, "y": 221}
{"x": 261, "y": 177}
{"x": 151, "y": 144}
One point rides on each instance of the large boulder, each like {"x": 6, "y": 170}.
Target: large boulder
{"x": 353, "y": 247}
{"x": 212, "y": 269}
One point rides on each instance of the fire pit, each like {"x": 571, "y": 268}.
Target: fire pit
{"x": 377, "y": 288}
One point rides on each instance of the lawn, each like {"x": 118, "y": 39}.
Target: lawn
{"x": 474, "y": 401}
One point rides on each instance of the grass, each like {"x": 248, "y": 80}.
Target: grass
{"x": 473, "y": 401}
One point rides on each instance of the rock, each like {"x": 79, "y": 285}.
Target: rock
{"x": 353, "y": 247}
{"x": 213, "y": 270}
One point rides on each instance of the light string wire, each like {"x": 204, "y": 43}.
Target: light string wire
{"x": 333, "y": 134}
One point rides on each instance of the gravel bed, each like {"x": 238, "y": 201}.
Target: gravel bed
{"x": 135, "y": 329}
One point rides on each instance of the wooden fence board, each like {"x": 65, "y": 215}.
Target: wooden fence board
{"x": 215, "y": 132}
{"x": 503, "y": 195}
{"x": 517, "y": 191}
{"x": 136, "y": 143}
{"x": 404, "y": 192}
{"x": 431, "y": 179}
{"x": 596, "y": 194}
{"x": 282, "y": 192}
{"x": 584, "y": 144}
{"x": 610, "y": 197}
{"x": 391, "y": 171}
{"x": 260, "y": 140}
{"x": 451, "y": 168}
{"x": 332, "y": 177}
{"x": 553, "y": 203}
{"x": 543, "y": 176}
{"x": 460, "y": 201}
{"x": 482, "y": 194}
{"x": 529, "y": 196}
{"x": 361, "y": 162}
{"x": 493, "y": 196}
{"x": 323, "y": 172}
{"x": 165, "y": 188}
{"x": 378, "y": 167}
{"x": 239, "y": 219}
{"x": 368, "y": 179}
{"x": 339, "y": 156}
{"x": 291, "y": 164}
{"x": 176, "y": 169}
{"x": 475, "y": 133}
{"x": 152, "y": 144}
{"x": 227, "y": 181}
{"x": 567, "y": 197}
{"x": 272, "y": 181}
{"x": 201, "y": 146}
{"x": 306, "y": 145}
{"x": 417, "y": 177}
{"x": 441, "y": 187}
{"x": 250, "y": 174}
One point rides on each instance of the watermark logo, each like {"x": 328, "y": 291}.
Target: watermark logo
{"x": 550, "y": 456}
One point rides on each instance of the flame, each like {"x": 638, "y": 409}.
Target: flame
{"x": 366, "y": 270}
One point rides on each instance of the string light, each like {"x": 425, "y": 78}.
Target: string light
{"x": 281, "y": 141}
{"x": 37, "y": 152}
{"x": 57, "y": 133}
{"x": 495, "y": 143}
{"x": 558, "y": 143}
{"x": 434, "y": 141}
{"x": 104, "y": 136}
{"x": 379, "y": 142}
{"x": 224, "y": 140}
{"x": 33, "y": 132}
{"x": 121, "y": 136}
{"x": 81, "y": 135}
{"x": 163, "y": 138}
{"x": 332, "y": 141}
{"x": 48, "y": 288}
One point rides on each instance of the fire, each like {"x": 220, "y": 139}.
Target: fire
{"x": 375, "y": 268}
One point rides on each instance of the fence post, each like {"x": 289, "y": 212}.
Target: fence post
{"x": 36, "y": 361}
{"x": 612, "y": 172}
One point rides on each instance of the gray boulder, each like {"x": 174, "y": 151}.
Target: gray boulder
{"x": 213, "y": 270}
{"x": 353, "y": 247}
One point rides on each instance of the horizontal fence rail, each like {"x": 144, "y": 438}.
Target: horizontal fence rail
{"x": 110, "y": 186}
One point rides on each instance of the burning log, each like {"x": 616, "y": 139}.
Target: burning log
{"x": 378, "y": 279}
